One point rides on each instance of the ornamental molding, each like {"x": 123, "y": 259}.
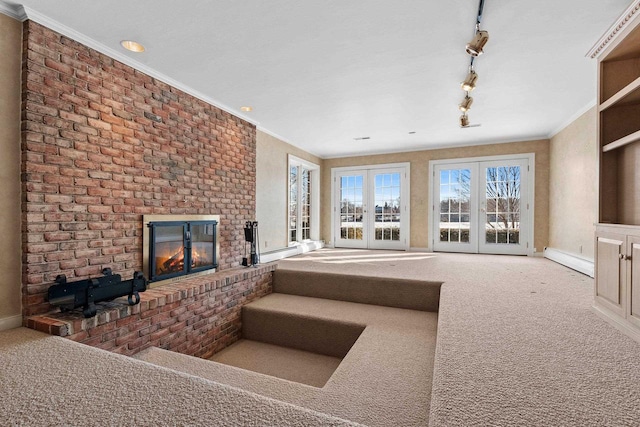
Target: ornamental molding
{"x": 615, "y": 30}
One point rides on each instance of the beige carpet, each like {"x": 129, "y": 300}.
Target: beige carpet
{"x": 283, "y": 362}
{"x": 518, "y": 343}
{"x": 384, "y": 380}
{"x": 51, "y": 381}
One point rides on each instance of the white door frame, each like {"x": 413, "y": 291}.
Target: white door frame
{"x": 530, "y": 157}
{"x": 405, "y": 198}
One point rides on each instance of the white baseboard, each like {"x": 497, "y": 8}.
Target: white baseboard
{"x": 583, "y": 265}
{"x": 291, "y": 251}
{"x": 10, "y": 322}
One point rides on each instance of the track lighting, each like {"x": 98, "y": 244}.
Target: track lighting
{"x": 465, "y": 105}
{"x": 469, "y": 83}
{"x": 474, "y": 47}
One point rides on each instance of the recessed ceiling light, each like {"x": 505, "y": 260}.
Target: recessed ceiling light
{"x": 246, "y": 109}
{"x": 132, "y": 46}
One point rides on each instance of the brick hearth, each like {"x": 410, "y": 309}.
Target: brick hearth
{"x": 102, "y": 145}
{"x": 196, "y": 316}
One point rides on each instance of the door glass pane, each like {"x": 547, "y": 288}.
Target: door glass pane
{"x": 202, "y": 246}
{"x": 169, "y": 249}
{"x": 293, "y": 203}
{"x": 502, "y": 225}
{"x": 306, "y": 204}
{"x": 387, "y": 206}
{"x": 455, "y": 200}
{"x": 351, "y": 208}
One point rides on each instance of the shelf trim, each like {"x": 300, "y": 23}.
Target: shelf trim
{"x": 621, "y": 94}
{"x": 622, "y": 141}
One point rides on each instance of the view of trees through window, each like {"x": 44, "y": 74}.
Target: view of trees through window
{"x": 299, "y": 203}
{"x": 502, "y": 210}
{"x": 386, "y": 189}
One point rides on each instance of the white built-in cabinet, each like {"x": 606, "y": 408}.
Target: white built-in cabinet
{"x": 617, "y": 266}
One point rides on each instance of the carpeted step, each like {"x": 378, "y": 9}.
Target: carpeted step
{"x": 282, "y": 362}
{"x": 384, "y": 291}
{"x": 322, "y": 336}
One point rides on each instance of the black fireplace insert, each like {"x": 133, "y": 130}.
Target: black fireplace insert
{"x": 178, "y": 248}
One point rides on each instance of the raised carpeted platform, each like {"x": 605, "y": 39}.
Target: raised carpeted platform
{"x": 52, "y": 381}
{"x": 518, "y": 342}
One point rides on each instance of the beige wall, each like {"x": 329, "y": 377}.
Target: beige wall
{"x": 271, "y": 189}
{"x": 573, "y": 203}
{"x": 420, "y": 184}
{"x": 10, "y": 261}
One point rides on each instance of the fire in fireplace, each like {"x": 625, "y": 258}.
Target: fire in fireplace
{"x": 178, "y": 246}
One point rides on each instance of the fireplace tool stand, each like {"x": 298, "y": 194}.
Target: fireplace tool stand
{"x": 251, "y": 237}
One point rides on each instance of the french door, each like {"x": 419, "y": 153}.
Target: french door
{"x": 482, "y": 206}
{"x": 371, "y": 208}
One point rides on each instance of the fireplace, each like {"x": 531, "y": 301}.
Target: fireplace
{"x": 179, "y": 245}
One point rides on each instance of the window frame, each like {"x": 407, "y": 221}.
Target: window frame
{"x": 314, "y": 202}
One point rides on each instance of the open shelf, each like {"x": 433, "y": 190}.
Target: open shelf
{"x": 630, "y": 94}
{"x": 622, "y": 142}
{"x": 619, "y": 185}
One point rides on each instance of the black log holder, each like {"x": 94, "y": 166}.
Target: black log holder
{"x": 86, "y": 293}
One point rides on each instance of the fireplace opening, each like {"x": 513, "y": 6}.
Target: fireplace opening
{"x": 177, "y": 248}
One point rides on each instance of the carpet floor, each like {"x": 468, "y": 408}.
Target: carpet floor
{"x": 52, "y": 381}
{"x": 283, "y": 362}
{"x": 518, "y": 343}
{"x": 384, "y": 379}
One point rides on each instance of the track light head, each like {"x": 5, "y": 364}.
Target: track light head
{"x": 465, "y": 105}
{"x": 469, "y": 83}
{"x": 464, "y": 121}
{"x": 474, "y": 47}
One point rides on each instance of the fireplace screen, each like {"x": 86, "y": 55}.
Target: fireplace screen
{"x": 180, "y": 248}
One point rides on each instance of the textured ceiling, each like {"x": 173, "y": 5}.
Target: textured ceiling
{"x": 321, "y": 73}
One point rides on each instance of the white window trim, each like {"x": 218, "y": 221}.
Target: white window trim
{"x": 406, "y": 196}
{"x": 314, "y": 171}
{"x": 531, "y": 157}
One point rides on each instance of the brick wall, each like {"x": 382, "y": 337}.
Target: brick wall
{"x": 103, "y": 144}
{"x": 196, "y": 316}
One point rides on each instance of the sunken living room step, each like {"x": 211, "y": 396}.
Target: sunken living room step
{"x": 401, "y": 293}
{"x": 290, "y": 364}
{"x": 384, "y": 379}
{"x": 324, "y": 336}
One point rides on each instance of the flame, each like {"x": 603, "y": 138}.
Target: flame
{"x": 172, "y": 260}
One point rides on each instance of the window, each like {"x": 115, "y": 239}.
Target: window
{"x": 303, "y": 224}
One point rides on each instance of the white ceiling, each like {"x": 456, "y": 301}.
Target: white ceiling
{"x": 321, "y": 73}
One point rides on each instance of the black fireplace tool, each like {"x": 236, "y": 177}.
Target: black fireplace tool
{"x": 86, "y": 293}
{"x": 251, "y": 237}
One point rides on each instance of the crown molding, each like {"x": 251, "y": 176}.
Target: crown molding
{"x": 573, "y": 118}
{"x": 119, "y": 56}
{"x": 615, "y": 29}
{"x": 13, "y": 11}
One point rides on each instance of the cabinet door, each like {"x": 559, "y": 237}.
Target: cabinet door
{"x": 610, "y": 272}
{"x": 633, "y": 293}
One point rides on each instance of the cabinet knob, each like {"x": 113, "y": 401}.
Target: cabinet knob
{"x": 627, "y": 257}
{"x": 621, "y": 256}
